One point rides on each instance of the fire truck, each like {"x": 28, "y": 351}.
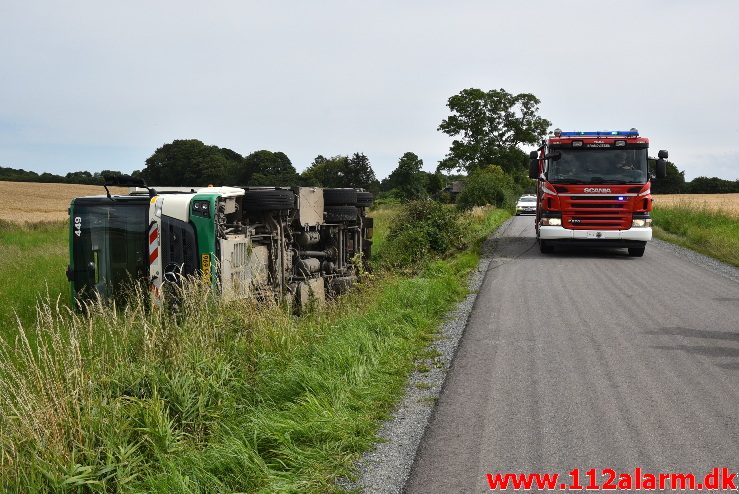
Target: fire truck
{"x": 594, "y": 190}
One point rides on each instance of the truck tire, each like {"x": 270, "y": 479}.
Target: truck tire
{"x": 339, "y": 197}
{"x": 258, "y": 200}
{"x": 636, "y": 251}
{"x": 341, "y": 214}
{"x": 545, "y": 247}
{"x": 364, "y": 199}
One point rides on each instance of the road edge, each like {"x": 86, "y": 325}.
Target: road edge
{"x": 386, "y": 468}
{"x": 710, "y": 263}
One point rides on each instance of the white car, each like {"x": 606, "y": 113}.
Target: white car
{"x": 526, "y": 204}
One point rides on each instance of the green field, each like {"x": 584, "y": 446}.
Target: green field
{"x": 703, "y": 229}
{"x": 219, "y": 397}
{"x": 33, "y": 265}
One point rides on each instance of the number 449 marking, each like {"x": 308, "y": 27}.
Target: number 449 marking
{"x": 78, "y": 226}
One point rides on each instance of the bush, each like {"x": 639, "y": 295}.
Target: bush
{"x": 422, "y": 229}
{"x": 490, "y": 185}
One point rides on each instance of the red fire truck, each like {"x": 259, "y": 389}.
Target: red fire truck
{"x": 594, "y": 190}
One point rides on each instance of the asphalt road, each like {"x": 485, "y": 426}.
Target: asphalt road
{"x": 587, "y": 359}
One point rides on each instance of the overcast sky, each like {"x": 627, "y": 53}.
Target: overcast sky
{"x": 100, "y": 85}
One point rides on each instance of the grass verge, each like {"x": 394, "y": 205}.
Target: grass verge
{"x": 702, "y": 229}
{"x": 220, "y": 397}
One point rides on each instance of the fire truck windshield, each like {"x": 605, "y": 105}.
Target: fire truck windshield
{"x": 599, "y": 166}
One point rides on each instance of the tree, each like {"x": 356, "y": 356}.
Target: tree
{"x": 712, "y": 185}
{"x": 489, "y": 185}
{"x": 267, "y": 168}
{"x": 341, "y": 171}
{"x": 673, "y": 183}
{"x": 18, "y": 175}
{"x": 434, "y": 183}
{"x": 359, "y": 173}
{"x": 490, "y": 126}
{"x": 85, "y": 177}
{"x": 326, "y": 172}
{"x": 407, "y": 180}
{"x": 189, "y": 162}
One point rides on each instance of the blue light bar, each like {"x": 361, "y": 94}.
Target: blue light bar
{"x": 602, "y": 133}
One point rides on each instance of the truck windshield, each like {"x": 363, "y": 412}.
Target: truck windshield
{"x": 109, "y": 248}
{"x": 599, "y": 166}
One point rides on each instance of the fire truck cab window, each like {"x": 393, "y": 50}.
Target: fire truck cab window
{"x": 625, "y": 166}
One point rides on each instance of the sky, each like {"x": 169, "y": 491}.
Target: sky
{"x": 91, "y": 85}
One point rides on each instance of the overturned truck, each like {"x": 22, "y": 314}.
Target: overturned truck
{"x": 302, "y": 244}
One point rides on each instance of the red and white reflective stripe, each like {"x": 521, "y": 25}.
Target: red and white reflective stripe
{"x": 153, "y": 243}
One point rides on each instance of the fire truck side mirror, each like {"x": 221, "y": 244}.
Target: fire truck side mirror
{"x": 662, "y": 154}
{"x": 534, "y": 168}
{"x": 661, "y": 167}
{"x": 534, "y": 164}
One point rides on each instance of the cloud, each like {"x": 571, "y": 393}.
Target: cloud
{"x": 101, "y": 85}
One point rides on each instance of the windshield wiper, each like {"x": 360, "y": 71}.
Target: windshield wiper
{"x": 611, "y": 181}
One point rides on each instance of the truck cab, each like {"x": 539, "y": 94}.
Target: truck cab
{"x": 594, "y": 190}
{"x": 120, "y": 240}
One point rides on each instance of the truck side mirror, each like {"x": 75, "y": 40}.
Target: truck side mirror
{"x": 534, "y": 168}
{"x": 662, "y": 154}
{"x": 533, "y": 155}
{"x": 661, "y": 166}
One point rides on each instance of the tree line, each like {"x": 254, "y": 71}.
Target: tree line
{"x": 81, "y": 177}
{"x": 191, "y": 162}
{"x": 674, "y": 183}
{"x": 488, "y": 129}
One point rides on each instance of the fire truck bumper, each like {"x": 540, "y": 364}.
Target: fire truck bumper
{"x": 611, "y": 236}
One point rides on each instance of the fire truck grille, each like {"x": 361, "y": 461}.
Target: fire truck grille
{"x": 602, "y": 206}
{"x": 595, "y": 198}
{"x": 596, "y": 213}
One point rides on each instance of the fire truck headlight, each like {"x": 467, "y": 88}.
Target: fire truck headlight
{"x": 551, "y": 222}
{"x": 641, "y": 223}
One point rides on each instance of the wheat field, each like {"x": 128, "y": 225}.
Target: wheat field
{"x": 726, "y": 203}
{"x": 30, "y": 202}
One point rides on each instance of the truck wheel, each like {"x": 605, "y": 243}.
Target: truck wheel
{"x": 339, "y": 197}
{"x": 340, "y": 214}
{"x": 258, "y": 200}
{"x": 636, "y": 251}
{"x": 545, "y": 247}
{"x": 364, "y": 199}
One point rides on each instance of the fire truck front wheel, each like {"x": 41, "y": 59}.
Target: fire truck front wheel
{"x": 636, "y": 251}
{"x": 545, "y": 247}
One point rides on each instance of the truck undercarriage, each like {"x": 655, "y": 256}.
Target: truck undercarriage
{"x": 301, "y": 245}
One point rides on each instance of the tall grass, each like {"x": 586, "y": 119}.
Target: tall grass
{"x": 701, "y": 228}
{"x": 217, "y": 397}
